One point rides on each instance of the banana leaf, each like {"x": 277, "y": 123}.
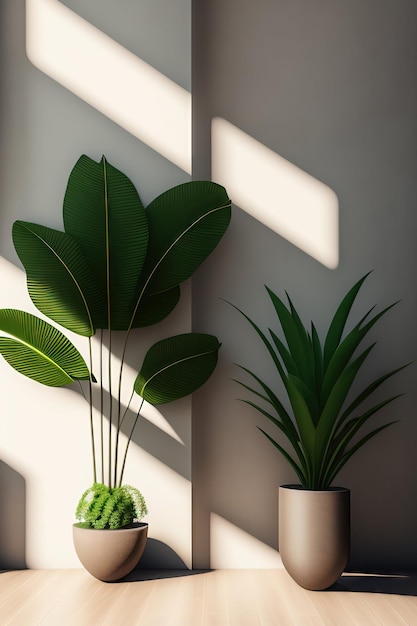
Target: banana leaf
{"x": 59, "y": 280}
{"x": 177, "y": 366}
{"x": 39, "y": 351}
{"x": 185, "y": 225}
{"x": 103, "y": 212}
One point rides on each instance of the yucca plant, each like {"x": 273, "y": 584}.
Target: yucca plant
{"x": 116, "y": 267}
{"x": 323, "y": 420}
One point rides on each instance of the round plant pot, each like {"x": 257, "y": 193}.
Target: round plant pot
{"x": 314, "y": 534}
{"x": 110, "y": 554}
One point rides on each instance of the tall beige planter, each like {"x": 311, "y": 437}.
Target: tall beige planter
{"x": 314, "y": 534}
{"x": 110, "y": 554}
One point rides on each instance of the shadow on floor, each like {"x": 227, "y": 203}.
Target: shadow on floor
{"x": 154, "y": 574}
{"x": 400, "y": 585}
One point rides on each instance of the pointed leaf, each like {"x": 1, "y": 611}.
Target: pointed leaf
{"x": 285, "y": 355}
{"x": 103, "y": 211}
{"x": 367, "y": 392}
{"x": 294, "y": 441}
{"x": 298, "y": 470}
{"x": 337, "y": 445}
{"x": 177, "y": 366}
{"x": 297, "y": 338}
{"x": 59, "y": 281}
{"x": 354, "y": 449}
{"x": 338, "y": 322}
{"x": 272, "y": 399}
{"x": 345, "y": 351}
{"x": 39, "y": 351}
{"x": 337, "y": 398}
{"x": 185, "y": 225}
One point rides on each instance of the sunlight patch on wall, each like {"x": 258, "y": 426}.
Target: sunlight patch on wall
{"x": 168, "y": 496}
{"x": 233, "y": 548}
{"x": 45, "y": 436}
{"x": 282, "y": 196}
{"x": 113, "y": 80}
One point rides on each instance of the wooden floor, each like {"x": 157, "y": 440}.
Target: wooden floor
{"x": 214, "y": 598}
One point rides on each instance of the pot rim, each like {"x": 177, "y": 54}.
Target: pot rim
{"x": 133, "y": 526}
{"x": 298, "y": 487}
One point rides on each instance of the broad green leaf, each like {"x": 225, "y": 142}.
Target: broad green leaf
{"x": 156, "y": 307}
{"x": 177, "y": 366}
{"x": 103, "y": 211}
{"x": 185, "y": 225}
{"x": 39, "y": 351}
{"x": 59, "y": 281}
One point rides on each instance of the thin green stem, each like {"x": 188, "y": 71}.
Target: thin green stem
{"x": 128, "y": 443}
{"x": 101, "y": 407}
{"x": 93, "y": 445}
{"x": 110, "y": 408}
{"x": 127, "y": 408}
{"x": 107, "y": 226}
{"x": 120, "y": 419}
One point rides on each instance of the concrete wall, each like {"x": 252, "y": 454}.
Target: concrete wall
{"x": 306, "y": 111}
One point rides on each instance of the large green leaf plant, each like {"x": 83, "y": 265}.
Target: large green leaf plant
{"x": 322, "y": 420}
{"x": 117, "y": 266}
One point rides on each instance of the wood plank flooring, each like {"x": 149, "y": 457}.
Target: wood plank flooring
{"x": 214, "y": 598}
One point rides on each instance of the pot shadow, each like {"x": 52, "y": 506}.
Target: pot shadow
{"x": 391, "y": 584}
{"x": 159, "y": 561}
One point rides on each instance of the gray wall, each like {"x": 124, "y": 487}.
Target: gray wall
{"x": 331, "y": 87}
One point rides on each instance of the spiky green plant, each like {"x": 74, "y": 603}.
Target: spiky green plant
{"x": 102, "y": 507}
{"x": 117, "y": 266}
{"x": 322, "y": 422}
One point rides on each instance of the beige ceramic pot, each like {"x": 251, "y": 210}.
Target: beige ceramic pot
{"x": 110, "y": 554}
{"x": 314, "y": 534}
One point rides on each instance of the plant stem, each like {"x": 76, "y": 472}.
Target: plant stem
{"x": 119, "y": 408}
{"x": 101, "y": 407}
{"x": 93, "y": 446}
{"x": 110, "y": 409}
{"x": 107, "y": 226}
{"x": 128, "y": 442}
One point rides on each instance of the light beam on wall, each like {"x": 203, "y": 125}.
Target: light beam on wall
{"x": 113, "y": 80}
{"x": 233, "y": 548}
{"x": 282, "y": 196}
